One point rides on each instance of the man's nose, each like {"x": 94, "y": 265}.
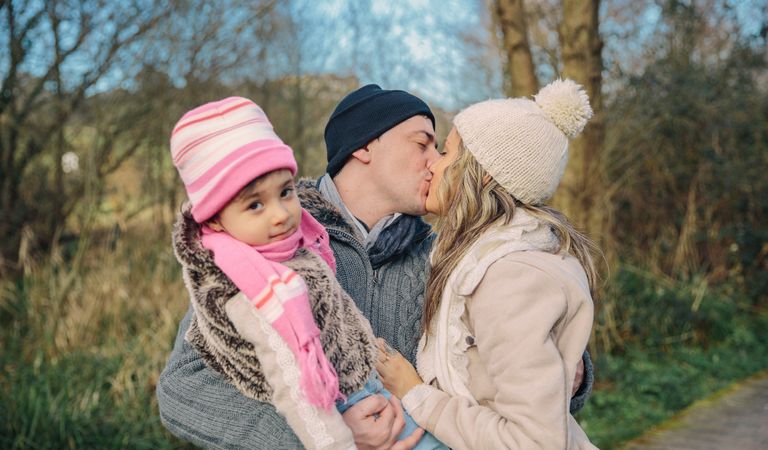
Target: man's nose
{"x": 432, "y": 157}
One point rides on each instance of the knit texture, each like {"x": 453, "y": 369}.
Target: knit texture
{"x": 523, "y": 144}
{"x": 220, "y": 147}
{"x": 365, "y": 114}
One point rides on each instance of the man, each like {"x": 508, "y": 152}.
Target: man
{"x": 380, "y": 145}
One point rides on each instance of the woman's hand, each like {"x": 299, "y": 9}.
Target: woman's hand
{"x": 397, "y": 374}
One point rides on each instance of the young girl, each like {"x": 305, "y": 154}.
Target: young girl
{"x": 269, "y": 313}
{"x": 508, "y": 309}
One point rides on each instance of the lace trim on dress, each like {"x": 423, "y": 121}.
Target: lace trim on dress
{"x": 291, "y": 377}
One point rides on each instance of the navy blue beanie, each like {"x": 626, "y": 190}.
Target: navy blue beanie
{"x": 362, "y": 116}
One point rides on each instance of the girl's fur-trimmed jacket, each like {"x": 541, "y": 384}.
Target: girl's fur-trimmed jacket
{"x": 236, "y": 342}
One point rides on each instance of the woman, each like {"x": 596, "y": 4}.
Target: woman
{"x": 508, "y": 309}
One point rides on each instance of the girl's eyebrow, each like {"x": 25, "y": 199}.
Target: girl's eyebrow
{"x": 251, "y": 195}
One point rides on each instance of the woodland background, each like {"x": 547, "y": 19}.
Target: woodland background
{"x": 670, "y": 178}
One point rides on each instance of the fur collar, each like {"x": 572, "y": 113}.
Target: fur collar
{"x": 324, "y": 211}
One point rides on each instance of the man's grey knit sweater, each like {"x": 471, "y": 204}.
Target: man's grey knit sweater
{"x": 198, "y": 405}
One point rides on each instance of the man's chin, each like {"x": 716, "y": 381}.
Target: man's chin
{"x": 421, "y": 210}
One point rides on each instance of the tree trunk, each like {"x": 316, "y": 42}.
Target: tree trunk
{"x": 582, "y": 193}
{"x": 521, "y": 77}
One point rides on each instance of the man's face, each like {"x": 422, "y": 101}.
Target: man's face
{"x": 267, "y": 212}
{"x": 400, "y": 160}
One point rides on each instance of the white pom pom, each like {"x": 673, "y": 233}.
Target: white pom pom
{"x": 566, "y": 104}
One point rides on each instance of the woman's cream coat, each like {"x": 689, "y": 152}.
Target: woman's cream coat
{"x": 529, "y": 321}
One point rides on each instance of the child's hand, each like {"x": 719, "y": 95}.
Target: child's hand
{"x": 397, "y": 374}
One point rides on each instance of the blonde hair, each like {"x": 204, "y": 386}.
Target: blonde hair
{"x": 471, "y": 201}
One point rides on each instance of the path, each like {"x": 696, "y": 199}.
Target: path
{"x": 734, "y": 420}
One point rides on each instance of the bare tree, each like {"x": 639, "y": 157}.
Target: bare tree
{"x": 58, "y": 52}
{"x": 582, "y": 194}
{"x": 521, "y": 74}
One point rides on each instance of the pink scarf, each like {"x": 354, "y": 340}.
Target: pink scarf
{"x": 281, "y": 296}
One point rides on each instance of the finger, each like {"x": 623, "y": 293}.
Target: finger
{"x": 578, "y": 378}
{"x": 398, "y": 423}
{"x": 381, "y": 368}
{"x": 410, "y": 442}
{"x": 385, "y": 347}
{"x": 369, "y": 406}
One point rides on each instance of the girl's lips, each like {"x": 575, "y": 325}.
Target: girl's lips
{"x": 283, "y": 235}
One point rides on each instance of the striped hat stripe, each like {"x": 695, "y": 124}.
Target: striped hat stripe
{"x": 225, "y": 162}
{"x": 181, "y": 126}
{"x": 205, "y": 155}
{"x": 177, "y": 158}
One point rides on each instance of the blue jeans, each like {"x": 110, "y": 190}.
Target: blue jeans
{"x": 374, "y": 386}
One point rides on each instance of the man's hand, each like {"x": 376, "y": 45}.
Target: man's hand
{"x": 375, "y": 422}
{"x": 579, "y": 378}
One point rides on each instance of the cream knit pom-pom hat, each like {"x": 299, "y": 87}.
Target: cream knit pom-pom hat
{"x": 522, "y": 143}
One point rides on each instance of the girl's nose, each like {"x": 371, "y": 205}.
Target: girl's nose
{"x": 280, "y": 215}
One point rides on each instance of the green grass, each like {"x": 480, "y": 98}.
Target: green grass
{"x": 72, "y": 403}
{"x": 84, "y": 341}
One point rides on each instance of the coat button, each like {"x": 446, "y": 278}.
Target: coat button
{"x": 470, "y": 340}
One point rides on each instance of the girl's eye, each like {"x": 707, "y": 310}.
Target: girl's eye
{"x": 287, "y": 192}
{"x": 255, "y": 206}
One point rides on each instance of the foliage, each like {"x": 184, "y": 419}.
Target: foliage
{"x": 688, "y": 147}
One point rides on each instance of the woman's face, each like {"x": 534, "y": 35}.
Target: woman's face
{"x": 450, "y": 152}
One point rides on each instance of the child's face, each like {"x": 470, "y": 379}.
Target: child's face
{"x": 268, "y": 212}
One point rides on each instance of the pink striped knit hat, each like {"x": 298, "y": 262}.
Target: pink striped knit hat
{"x": 220, "y": 147}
